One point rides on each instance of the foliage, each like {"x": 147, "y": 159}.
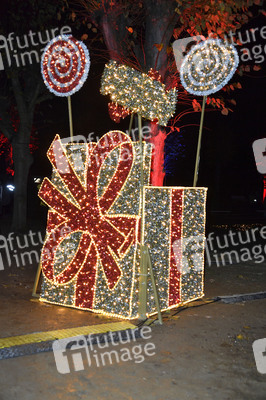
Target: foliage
{"x": 217, "y": 17}
{"x": 139, "y": 34}
{"x": 133, "y": 27}
{"x": 6, "y": 147}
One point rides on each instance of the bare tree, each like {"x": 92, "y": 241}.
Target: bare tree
{"x": 22, "y": 86}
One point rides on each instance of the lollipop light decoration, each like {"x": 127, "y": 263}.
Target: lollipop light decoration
{"x": 65, "y": 65}
{"x": 206, "y": 69}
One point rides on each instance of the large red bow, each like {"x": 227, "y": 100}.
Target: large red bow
{"x": 103, "y": 237}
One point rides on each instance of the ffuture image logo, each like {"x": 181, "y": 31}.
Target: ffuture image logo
{"x": 76, "y": 142}
{"x": 189, "y": 253}
{"x": 18, "y": 249}
{"x": 70, "y": 354}
{"x": 259, "y": 350}
{"x": 77, "y": 353}
{"x": 259, "y": 150}
{"x": 182, "y": 46}
{"x": 19, "y": 51}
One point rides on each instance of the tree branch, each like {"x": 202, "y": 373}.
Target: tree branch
{"x": 160, "y": 21}
{"x": 43, "y": 97}
{"x": 5, "y": 121}
{"x": 18, "y": 93}
{"x": 34, "y": 97}
{"x": 7, "y": 129}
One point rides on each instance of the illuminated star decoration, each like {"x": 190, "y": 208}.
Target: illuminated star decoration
{"x": 65, "y": 65}
{"x": 138, "y": 92}
{"x": 208, "y": 67}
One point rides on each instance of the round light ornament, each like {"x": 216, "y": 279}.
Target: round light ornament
{"x": 65, "y": 65}
{"x": 208, "y": 67}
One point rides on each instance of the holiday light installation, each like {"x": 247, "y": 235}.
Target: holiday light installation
{"x": 91, "y": 256}
{"x": 110, "y": 236}
{"x": 140, "y": 93}
{"x": 65, "y": 65}
{"x": 207, "y": 68}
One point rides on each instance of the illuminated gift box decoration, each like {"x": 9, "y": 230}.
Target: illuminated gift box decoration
{"x": 138, "y": 92}
{"x": 90, "y": 258}
{"x": 174, "y": 230}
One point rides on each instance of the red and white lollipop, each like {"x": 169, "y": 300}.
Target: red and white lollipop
{"x": 65, "y": 65}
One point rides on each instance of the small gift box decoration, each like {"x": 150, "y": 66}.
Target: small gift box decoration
{"x": 174, "y": 231}
{"x": 91, "y": 255}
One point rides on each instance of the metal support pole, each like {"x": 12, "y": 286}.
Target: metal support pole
{"x": 130, "y": 124}
{"x": 145, "y": 259}
{"x": 70, "y": 117}
{"x": 196, "y": 172}
{"x": 36, "y": 282}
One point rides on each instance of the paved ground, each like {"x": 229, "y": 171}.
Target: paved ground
{"x": 200, "y": 353}
{"x": 205, "y": 354}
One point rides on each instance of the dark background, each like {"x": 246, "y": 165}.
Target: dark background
{"x": 227, "y": 165}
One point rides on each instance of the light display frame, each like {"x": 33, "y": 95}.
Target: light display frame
{"x": 183, "y": 204}
{"x": 208, "y": 67}
{"x": 120, "y": 300}
{"x": 138, "y": 92}
{"x": 65, "y": 65}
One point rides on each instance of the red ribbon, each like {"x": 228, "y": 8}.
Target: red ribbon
{"x": 177, "y": 196}
{"x": 103, "y": 237}
{"x": 116, "y": 112}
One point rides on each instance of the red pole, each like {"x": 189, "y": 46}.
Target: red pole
{"x": 264, "y": 187}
